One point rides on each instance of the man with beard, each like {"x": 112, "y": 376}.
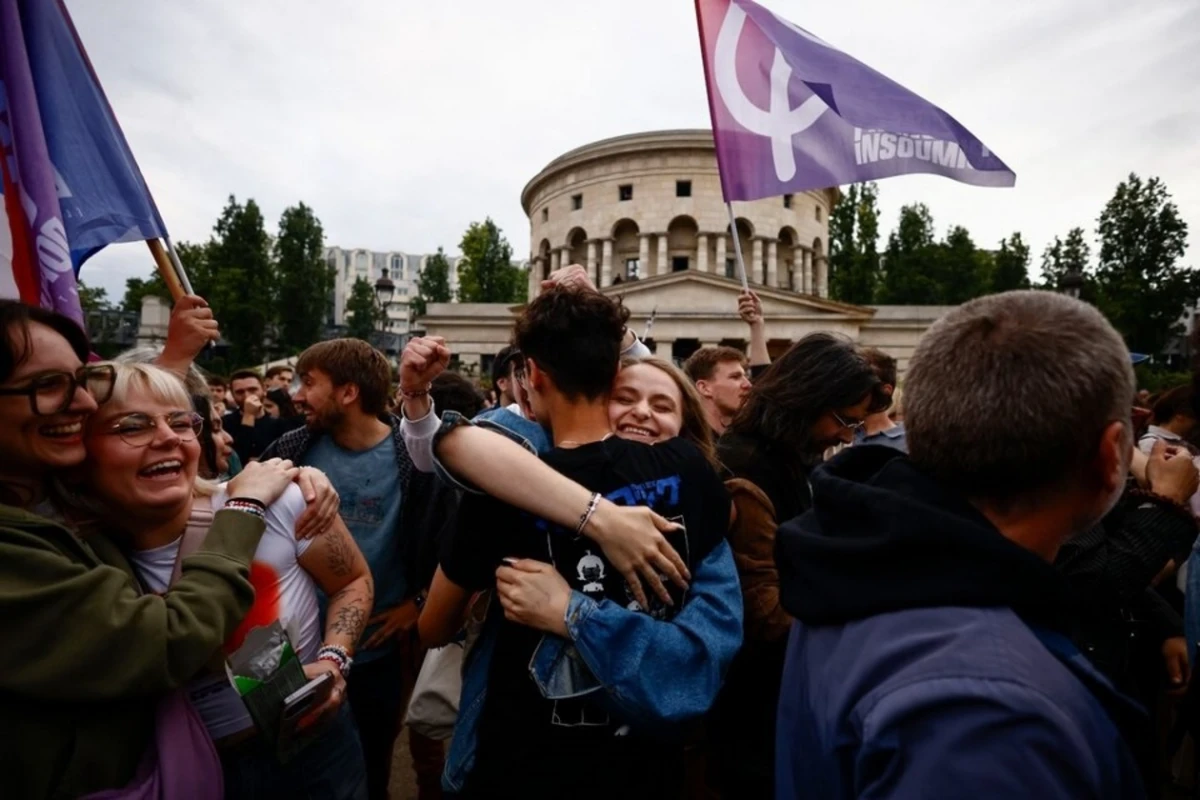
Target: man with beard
{"x": 344, "y": 388}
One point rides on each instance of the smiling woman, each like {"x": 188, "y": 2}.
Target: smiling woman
{"x": 77, "y": 719}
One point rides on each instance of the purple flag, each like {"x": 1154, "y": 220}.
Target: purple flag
{"x": 791, "y": 113}
{"x": 70, "y": 183}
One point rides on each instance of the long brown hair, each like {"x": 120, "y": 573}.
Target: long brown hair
{"x": 695, "y": 426}
{"x": 818, "y": 374}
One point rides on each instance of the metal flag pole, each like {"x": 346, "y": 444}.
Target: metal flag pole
{"x": 737, "y": 248}
{"x": 650, "y": 323}
{"x": 179, "y": 270}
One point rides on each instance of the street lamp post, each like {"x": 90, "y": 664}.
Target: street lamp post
{"x": 385, "y": 290}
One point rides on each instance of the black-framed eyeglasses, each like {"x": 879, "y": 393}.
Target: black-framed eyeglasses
{"x": 852, "y": 425}
{"x": 52, "y": 392}
{"x": 139, "y": 430}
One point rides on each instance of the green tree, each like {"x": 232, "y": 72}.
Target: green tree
{"x": 1010, "y": 269}
{"x": 138, "y": 288}
{"x": 305, "y": 279}
{"x": 1139, "y": 284}
{"x": 961, "y": 270}
{"x": 853, "y": 245}
{"x": 1070, "y": 257}
{"x": 486, "y": 274}
{"x": 433, "y": 284}
{"x": 906, "y": 262}
{"x": 237, "y": 278}
{"x": 363, "y": 314}
{"x": 93, "y": 298}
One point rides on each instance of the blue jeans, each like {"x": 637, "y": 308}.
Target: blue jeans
{"x": 330, "y": 768}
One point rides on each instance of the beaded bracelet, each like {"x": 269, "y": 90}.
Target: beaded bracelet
{"x": 586, "y": 517}
{"x": 415, "y": 393}
{"x": 1165, "y": 503}
{"x": 338, "y": 656}
{"x": 247, "y": 507}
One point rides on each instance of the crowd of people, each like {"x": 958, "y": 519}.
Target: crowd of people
{"x": 607, "y": 574}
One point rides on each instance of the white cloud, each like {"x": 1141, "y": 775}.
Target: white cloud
{"x": 402, "y": 122}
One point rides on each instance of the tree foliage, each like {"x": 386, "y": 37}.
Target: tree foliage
{"x": 1010, "y": 265}
{"x": 235, "y": 274}
{"x": 138, "y": 288}
{"x": 305, "y": 280}
{"x": 1068, "y": 257}
{"x": 1140, "y": 286}
{"x": 487, "y": 274}
{"x": 93, "y": 298}
{"x": 363, "y": 314}
{"x": 853, "y": 245}
{"x": 433, "y": 284}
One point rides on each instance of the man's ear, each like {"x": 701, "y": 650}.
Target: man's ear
{"x": 348, "y": 394}
{"x": 535, "y": 376}
{"x": 703, "y": 390}
{"x": 1111, "y": 454}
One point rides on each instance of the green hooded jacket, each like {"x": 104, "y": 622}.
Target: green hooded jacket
{"x": 85, "y": 654}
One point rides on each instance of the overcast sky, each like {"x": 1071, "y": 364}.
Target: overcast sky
{"x": 401, "y": 122}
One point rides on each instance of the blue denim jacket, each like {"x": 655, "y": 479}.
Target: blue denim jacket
{"x": 653, "y": 674}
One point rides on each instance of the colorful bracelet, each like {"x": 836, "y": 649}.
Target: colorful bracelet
{"x": 338, "y": 656}
{"x": 254, "y": 509}
{"x": 407, "y": 395}
{"x": 586, "y": 517}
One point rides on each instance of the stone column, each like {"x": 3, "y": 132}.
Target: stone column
{"x": 719, "y": 267}
{"x": 807, "y": 271}
{"x": 772, "y": 264}
{"x": 564, "y": 259}
{"x": 643, "y": 255}
{"x": 756, "y": 259}
{"x": 822, "y": 269}
{"x": 606, "y": 263}
{"x": 662, "y": 268}
{"x": 554, "y": 265}
{"x": 593, "y": 267}
{"x": 702, "y": 252}
{"x": 535, "y": 276}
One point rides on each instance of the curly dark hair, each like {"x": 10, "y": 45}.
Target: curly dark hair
{"x": 818, "y": 374}
{"x": 575, "y": 338}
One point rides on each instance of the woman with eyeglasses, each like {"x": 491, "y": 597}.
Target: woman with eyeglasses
{"x": 811, "y": 399}
{"x": 86, "y": 654}
{"x": 141, "y": 472}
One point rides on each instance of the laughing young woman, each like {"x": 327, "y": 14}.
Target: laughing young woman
{"x": 141, "y": 472}
{"x": 86, "y": 653}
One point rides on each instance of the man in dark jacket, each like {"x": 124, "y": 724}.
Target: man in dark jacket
{"x": 930, "y": 657}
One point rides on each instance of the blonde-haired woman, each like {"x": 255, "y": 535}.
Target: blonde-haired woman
{"x": 141, "y": 472}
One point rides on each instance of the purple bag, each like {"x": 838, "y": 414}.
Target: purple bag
{"x": 181, "y": 761}
{"x": 191, "y": 767}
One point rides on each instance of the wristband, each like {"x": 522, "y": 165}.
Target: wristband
{"x": 586, "y": 517}
{"x": 247, "y": 505}
{"x": 338, "y": 656}
{"x": 1165, "y": 503}
{"x": 407, "y": 395}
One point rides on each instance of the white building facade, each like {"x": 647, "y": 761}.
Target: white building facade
{"x": 401, "y": 268}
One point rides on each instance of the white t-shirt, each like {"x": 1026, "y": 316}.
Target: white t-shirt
{"x": 282, "y": 591}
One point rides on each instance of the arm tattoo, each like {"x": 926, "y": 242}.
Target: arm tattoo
{"x": 339, "y": 556}
{"x": 349, "y": 621}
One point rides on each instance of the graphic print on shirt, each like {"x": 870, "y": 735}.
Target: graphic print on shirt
{"x": 586, "y": 570}
{"x": 365, "y": 508}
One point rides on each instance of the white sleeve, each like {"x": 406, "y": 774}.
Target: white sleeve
{"x": 282, "y": 516}
{"x": 418, "y": 438}
{"x": 1146, "y": 443}
{"x": 637, "y": 349}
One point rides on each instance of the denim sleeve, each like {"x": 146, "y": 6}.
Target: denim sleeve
{"x": 654, "y": 672}
{"x": 500, "y": 421}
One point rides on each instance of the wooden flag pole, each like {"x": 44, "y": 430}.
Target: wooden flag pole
{"x": 166, "y": 269}
{"x": 737, "y": 248}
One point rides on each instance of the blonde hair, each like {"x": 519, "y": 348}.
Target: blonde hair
{"x": 162, "y": 385}
{"x": 695, "y": 427}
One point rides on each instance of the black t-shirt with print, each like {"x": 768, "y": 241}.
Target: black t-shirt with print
{"x": 533, "y": 747}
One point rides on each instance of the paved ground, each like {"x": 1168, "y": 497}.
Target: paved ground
{"x": 404, "y": 782}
